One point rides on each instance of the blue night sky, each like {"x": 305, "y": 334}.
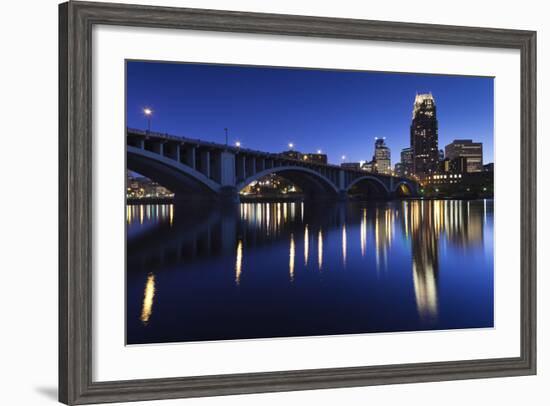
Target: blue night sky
{"x": 339, "y": 112}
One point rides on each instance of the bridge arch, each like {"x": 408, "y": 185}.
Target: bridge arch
{"x": 370, "y": 186}
{"x": 313, "y": 183}
{"x": 179, "y": 178}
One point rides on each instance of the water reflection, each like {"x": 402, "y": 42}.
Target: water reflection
{"x": 292, "y": 255}
{"x": 382, "y": 246}
{"x": 306, "y": 244}
{"x": 239, "y": 262}
{"x": 320, "y": 249}
{"x": 148, "y": 297}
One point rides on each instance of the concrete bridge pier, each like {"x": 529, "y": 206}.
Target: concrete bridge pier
{"x": 229, "y": 195}
{"x": 342, "y": 196}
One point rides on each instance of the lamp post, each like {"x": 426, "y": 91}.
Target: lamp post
{"x": 226, "y": 138}
{"x": 148, "y": 113}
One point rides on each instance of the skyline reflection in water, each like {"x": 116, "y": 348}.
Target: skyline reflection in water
{"x": 383, "y": 266}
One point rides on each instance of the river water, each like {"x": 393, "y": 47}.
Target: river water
{"x": 260, "y": 270}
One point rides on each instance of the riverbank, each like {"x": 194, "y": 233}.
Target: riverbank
{"x": 149, "y": 200}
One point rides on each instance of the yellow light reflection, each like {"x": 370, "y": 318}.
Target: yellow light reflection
{"x": 239, "y": 262}
{"x": 425, "y": 291}
{"x": 128, "y": 214}
{"x": 148, "y": 297}
{"x": 141, "y": 214}
{"x": 171, "y": 214}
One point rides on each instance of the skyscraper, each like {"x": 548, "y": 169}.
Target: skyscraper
{"x": 424, "y": 136}
{"x": 472, "y": 151}
{"x": 407, "y": 161}
{"x": 382, "y": 156}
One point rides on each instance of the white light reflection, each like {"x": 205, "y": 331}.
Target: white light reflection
{"x": 306, "y": 245}
{"x": 292, "y": 255}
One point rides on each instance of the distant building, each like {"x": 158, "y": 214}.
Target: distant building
{"x": 369, "y": 166}
{"x": 472, "y": 151}
{"x": 444, "y": 165}
{"x": 382, "y": 156}
{"x": 489, "y": 167}
{"x": 399, "y": 169}
{"x": 458, "y": 165}
{"x": 316, "y": 158}
{"x": 351, "y": 165}
{"x": 292, "y": 154}
{"x": 474, "y": 184}
{"x": 424, "y": 136}
{"x": 311, "y": 157}
{"x": 407, "y": 161}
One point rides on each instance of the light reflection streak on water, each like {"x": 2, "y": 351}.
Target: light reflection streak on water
{"x": 292, "y": 256}
{"x": 344, "y": 245}
{"x": 148, "y": 298}
{"x": 425, "y": 291}
{"x": 377, "y": 240}
{"x": 406, "y": 218}
{"x": 320, "y": 249}
{"x": 268, "y": 218}
{"x": 239, "y": 262}
{"x": 363, "y": 233}
{"x": 306, "y": 245}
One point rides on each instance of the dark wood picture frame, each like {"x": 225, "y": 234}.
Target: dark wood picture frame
{"x": 76, "y": 20}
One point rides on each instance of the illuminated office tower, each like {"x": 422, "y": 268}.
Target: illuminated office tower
{"x": 424, "y": 138}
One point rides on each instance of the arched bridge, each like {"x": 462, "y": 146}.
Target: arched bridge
{"x": 196, "y": 169}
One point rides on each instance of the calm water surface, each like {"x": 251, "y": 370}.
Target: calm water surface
{"x": 300, "y": 269}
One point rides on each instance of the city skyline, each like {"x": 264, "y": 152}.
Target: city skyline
{"x": 199, "y": 101}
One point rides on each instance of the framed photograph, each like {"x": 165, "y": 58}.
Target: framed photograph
{"x": 256, "y": 202}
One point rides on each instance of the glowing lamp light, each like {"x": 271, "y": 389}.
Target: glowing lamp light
{"x": 343, "y": 157}
{"x": 291, "y": 145}
{"x": 238, "y": 144}
{"x": 147, "y": 111}
{"x": 319, "y": 151}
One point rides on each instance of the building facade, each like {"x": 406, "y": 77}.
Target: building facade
{"x": 406, "y": 161}
{"x": 472, "y": 151}
{"x": 382, "y": 156}
{"x": 424, "y": 136}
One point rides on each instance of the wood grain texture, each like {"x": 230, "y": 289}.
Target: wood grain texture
{"x": 76, "y": 20}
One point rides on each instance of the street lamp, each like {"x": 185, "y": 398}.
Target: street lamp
{"x": 319, "y": 151}
{"x": 291, "y": 145}
{"x": 148, "y": 113}
{"x": 238, "y": 144}
{"x": 343, "y": 157}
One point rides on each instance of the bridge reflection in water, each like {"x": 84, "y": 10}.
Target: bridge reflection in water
{"x": 197, "y": 273}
